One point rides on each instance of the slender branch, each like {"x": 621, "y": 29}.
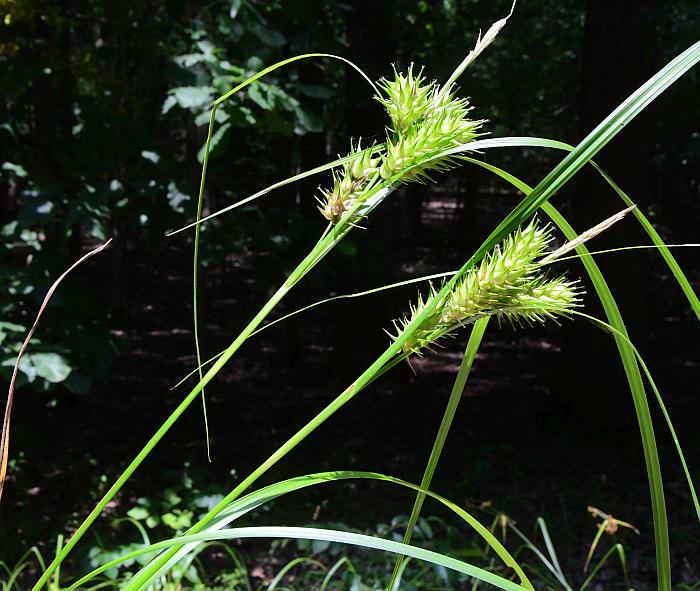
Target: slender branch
{"x": 5, "y": 438}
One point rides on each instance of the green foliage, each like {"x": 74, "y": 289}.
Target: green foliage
{"x": 302, "y": 564}
{"x": 104, "y": 157}
{"x": 175, "y": 508}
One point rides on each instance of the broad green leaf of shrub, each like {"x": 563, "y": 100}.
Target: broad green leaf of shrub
{"x": 307, "y": 122}
{"x": 52, "y": 367}
{"x": 189, "y": 97}
{"x": 177, "y": 519}
{"x": 315, "y": 91}
{"x": 215, "y": 140}
{"x": 269, "y": 37}
{"x": 6, "y": 328}
{"x": 18, "y": 169}
{"x": 138, "y": 513}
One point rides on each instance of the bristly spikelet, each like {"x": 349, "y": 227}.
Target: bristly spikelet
{"x": 421, "y": 338}
{"x": 406, "y": 98}
{"x": 509, "y": 283}
{"x": 545, "y": 299}
{"x": 501, "y": 276}
{"x": 426, "y": 122}
{"x": 348, "y": 183}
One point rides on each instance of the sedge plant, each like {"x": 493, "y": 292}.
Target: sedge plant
{"x": 364, "y": 203}
{"x": 430, "y": 130}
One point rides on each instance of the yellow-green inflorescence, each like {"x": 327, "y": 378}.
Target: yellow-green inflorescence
{"x": 425, "y": 120}
{"x": 509, "y": 283}
{"x": 348, "y": 183}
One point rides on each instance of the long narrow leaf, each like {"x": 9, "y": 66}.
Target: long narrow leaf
{"x": 634, "y": 380}
{"x": 251, "y": 501}
{"x": 348, "y": 538}
{"x": 585, "y": 255}
{"x": 458, "y": 387}
{"x": 641, "y": 218}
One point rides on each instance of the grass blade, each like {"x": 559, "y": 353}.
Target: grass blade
{"x": 585, "y": 254}
{"x": 550, "y": 547}
{"x": 251, "y": 501}
{"x": 279, "y": 184}
{"x": 200, "y": 203}
{"x": 290, "y": 565}
{"x": 529, "y": 545}
{"x": 348, "y": 538}
{"x": 641, "y": 218}
{"x": 679, "y": 450}
{"x": 634, "y": 380}
{"x": 458, "y": 387}
{"x": 623, "y": 562}
{"x": 361, "y": 540}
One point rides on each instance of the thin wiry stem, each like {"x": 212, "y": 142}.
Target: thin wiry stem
{"x": 5, "y": 437}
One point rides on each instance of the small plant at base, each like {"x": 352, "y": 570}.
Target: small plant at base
{"x": 509, "y": 283}
{"x": 609, "y": 525}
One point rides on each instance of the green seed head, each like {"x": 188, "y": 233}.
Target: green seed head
{"x": 509, "y": 283}
{"x": 445, "y": 124}
{"x": 406, "y": 98}
{"x": 424, "y": 123}
{"x": 348, "y": 183}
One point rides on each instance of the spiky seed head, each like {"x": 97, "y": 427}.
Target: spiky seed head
{"x": 424, "y": 123}
{"x": 348, "y": 183}
{"x": 440, "y": 128}
{"x": 509, "y": 283}
{"x": 406, "y": 98}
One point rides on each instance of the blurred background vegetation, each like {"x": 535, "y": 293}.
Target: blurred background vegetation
{"x": 105, "y": 107}
{"x": 103, "y": 114}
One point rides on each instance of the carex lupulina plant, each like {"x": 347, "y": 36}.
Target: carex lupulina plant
{"x": 425, "y": 121}
{"x": 373, "y": 191}
{"x": 427, "y": 132}
{"x": 510, "y": 283}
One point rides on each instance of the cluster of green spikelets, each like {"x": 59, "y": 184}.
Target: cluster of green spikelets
{"x": 509, "y": 283}
{"x": 426, "y": 119}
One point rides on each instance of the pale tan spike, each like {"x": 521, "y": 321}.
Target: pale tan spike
{"x": 586, "y": 236}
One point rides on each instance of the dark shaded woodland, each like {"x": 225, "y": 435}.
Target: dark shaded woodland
{"x": 103, "y": 116}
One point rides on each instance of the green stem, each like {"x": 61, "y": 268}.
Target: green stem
{"x": 455, "y": 396}
{"x": 195, "y": 270}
